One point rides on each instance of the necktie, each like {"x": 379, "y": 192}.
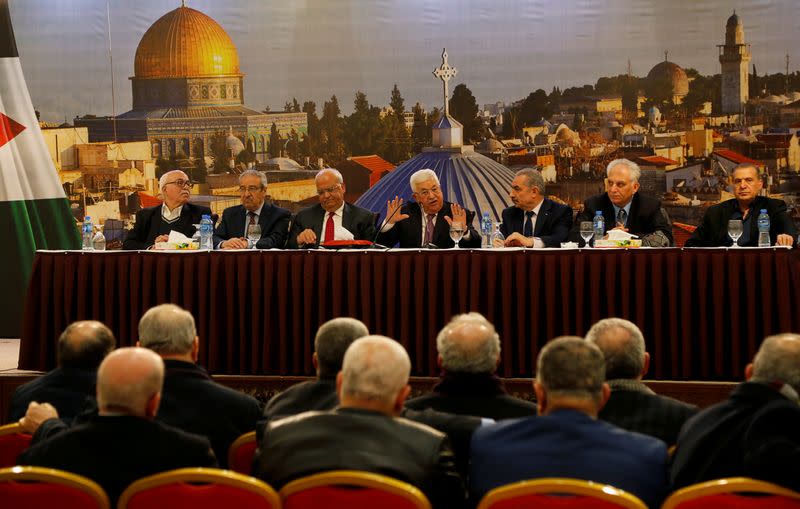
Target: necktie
{"x": 622, "y": 217}
{"x": 527, "y": 230}
{"x": 329, "y": 227}
{"x": 252, "y": 216}
{"x": 429, "y": 228}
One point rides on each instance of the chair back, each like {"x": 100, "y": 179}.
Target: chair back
{"x": 12, "y": 442}
{"x": 46, "y": 488}
{"x": 345, "y": 489}
{"x": 241, "y": 453}
{"x": 199, "y": 488}
{"x": 559, "y": 493}
{"x": 733, "y": 493}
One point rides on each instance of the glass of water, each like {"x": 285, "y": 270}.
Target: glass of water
{"x": 498, "y": 239}
{"x": 735, "y": 230}
{"x": 456, "y": 233}
{"x": 587, "y": 231}
{"x": 253, "y": 234}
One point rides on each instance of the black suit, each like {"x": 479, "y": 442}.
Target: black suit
{"x": 646, "y": 219}
{"x": 634, "y": 407}
{"x": 553, "y": 222}
{"x": 355, "y": 439}
{"x": 408, "y": 232}
{"x": 360, "y": 222}
{"x": 274, "y": 222}
{"x": 64, "y": 388}
{"x": 713, "y": 229}
{"x": 149, "y": 225}
{"x": 115, "y": 451}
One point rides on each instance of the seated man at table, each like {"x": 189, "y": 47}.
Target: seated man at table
{"x": 624, "y": 208}
{"x": 744, "y": 206}
{"x": 426, "y": 221}
{"x": 274, "y": 221}
{"x": 333, "y": 218}
{"x": 533, "y": 220}
{"x": 153, "y": 224}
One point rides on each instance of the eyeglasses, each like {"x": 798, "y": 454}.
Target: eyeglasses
{"x": 249, "y": 189}
{"x": 328, "y": 190}
{"x": 427, "y": 192}
{"x": 180, "y": 183}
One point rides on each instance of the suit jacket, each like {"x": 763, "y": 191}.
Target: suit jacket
{"x": 634, "y": 407}
{"x": 712, "y": 444}
{"x": 408, "y": 232}
{"x": 354, "y": 439}
{"x": 480, "y": 394}
{"x": 274, "y": 223}
{"x": 713, "y": 229}
{"x": 568, "y": 443}
{"x": 772, "y": 443}
{"x": 553, "y": 222}
{"x": 115, "y": 451}
{"x": 360, "y": 222}
{"x": 646, "y": 218}
{"x": 64, "y": 388}
{"x": 150, "y": 225}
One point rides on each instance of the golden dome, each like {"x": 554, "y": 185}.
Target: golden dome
{"x": 185, "y": 43}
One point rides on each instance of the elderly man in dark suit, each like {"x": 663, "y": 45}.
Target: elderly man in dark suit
{"x": 274, "y": 221}
{"x": 632, "y": 405}
{"x": 333, "y": 218}
{"x": 534, "y": 221}
{"x": 426, "y": 221}
{"x": 153, "y": 224}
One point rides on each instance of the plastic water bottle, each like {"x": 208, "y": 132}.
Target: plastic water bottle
{"x": 99, "y": 241}
{"x": 599, "y": 225}
{"x": 87, "y": 234}
{"x": 486, "y": 230}
{"x": 206, "y": 232}
{"x": 763, "y": 229}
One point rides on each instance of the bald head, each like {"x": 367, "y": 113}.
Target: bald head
{"x": 129, "y": 382}
{"x": 778, "y": 360}
{"x": 331, "y": 342}
{"x": 84, "y": 344}
{"x": 469, "y": 344}
{"x": 375, "y": 369}
{"x": 622, "y": 344}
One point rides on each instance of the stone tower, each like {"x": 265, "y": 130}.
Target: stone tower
{"x": 734, "y": 56}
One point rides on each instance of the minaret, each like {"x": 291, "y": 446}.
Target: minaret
{"x": 734, "y": 56}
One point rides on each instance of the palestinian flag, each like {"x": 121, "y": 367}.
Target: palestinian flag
{"x": 34, "y": 212}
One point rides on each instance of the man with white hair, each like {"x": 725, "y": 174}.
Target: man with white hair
{"x": 624, "y": 208}
{"x": 332, "y": 218}
{"x": 364, "y": 432}
{"x": 153, "y": 224}
{"x": 469, "y": 351}
{"x": 426, "y": 221}
{"x": 123, "y": 443}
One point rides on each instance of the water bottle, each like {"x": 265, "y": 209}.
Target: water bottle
{"x": 763, "y": 229}
{"x": 599, "y": 225}
{"x": 87, "y": 234}
{"x": 486, "y": 230}
{"x": 99, "y": 241}
{"x": 206, "y": 232}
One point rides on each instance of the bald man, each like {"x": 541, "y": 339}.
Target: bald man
{"x": 123, "y": 443}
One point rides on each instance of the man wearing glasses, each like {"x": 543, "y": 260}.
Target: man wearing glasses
{"x": 232, "y": 232}
{"x": 333, "y": 218}
{"x": 153, "y": 224}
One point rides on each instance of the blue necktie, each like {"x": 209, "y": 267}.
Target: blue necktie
{"x": 527, "y": 230}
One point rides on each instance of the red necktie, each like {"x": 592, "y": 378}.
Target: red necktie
{"x": 329, "y": 228}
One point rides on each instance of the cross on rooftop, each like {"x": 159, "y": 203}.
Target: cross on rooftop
{"x": 444, "y": 73}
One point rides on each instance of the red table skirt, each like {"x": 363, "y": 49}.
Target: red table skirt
{"x": 703, "y": 312}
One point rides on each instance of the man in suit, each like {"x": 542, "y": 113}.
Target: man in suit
{"x": 533, "y": 220}
{"x": 153, "y": 224}
{"x": 566, "y": 439}
{"x": 469, "y": 351}
{"x": 426, "y": 221}
{"x": 123, "y": 443}
{"x": 626, "y": 209}
{"x": 754, "y": 433}
{"x": 274, "y": 221}
{"x": 632, "y": 405}
{"x": 364, "y": 432}
{"x": 333, "y": 218}
{"x": 745, "y": 206}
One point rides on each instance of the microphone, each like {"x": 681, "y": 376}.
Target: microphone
{"x": 384, "y": 223}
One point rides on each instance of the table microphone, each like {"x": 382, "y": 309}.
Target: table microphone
{"x": 384, "y": 223}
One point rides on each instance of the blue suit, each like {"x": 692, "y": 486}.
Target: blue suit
{"x": 568, "y": 443}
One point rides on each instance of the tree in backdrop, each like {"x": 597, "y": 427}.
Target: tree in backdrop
{"x": 702, "y": 89}
{"x": 247, "y": 155}
{"x": 199, "y": 170}
{"x": 397, "y": 139}
{"x": 659, "y": 93}
{"x": 534, "y": 108}
{"x": 362, "y": 129}
{"x": 464, "y": 108}
{"x": 293, "y": 145}
{"x": 310, "y": 145}
{"x": 219, "y": 151}
{"x": 275, "y": 141}
{"x": 291, "y": 107}
{"x": 332, "y": 133}
{"x": 420, "y": 133}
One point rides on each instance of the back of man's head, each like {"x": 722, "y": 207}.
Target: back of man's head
{"x": 374, "y": 371}
{"x": 778, "y": 361}
{"x": 129, "y": 382}
{"x": 167, "y": 330}
{"x": 331, "y": 342}
{"x": 468, "y": 344}
{"x": 622, "y": 345}
{"x": 570, "y": 367}
{"x": 84, "y": 344}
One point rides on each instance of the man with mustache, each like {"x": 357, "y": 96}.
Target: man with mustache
{"x": 534, "y": 221}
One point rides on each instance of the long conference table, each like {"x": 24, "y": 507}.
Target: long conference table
{"x": 703, "y": 311}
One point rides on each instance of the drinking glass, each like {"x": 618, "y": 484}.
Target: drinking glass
{"x": 587, "y": 231}
{"x": 498, "y": 239}
{"x": 735, "y": 230}
{"x": 253, "y": 234}
{"x": 456, "y": 232}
